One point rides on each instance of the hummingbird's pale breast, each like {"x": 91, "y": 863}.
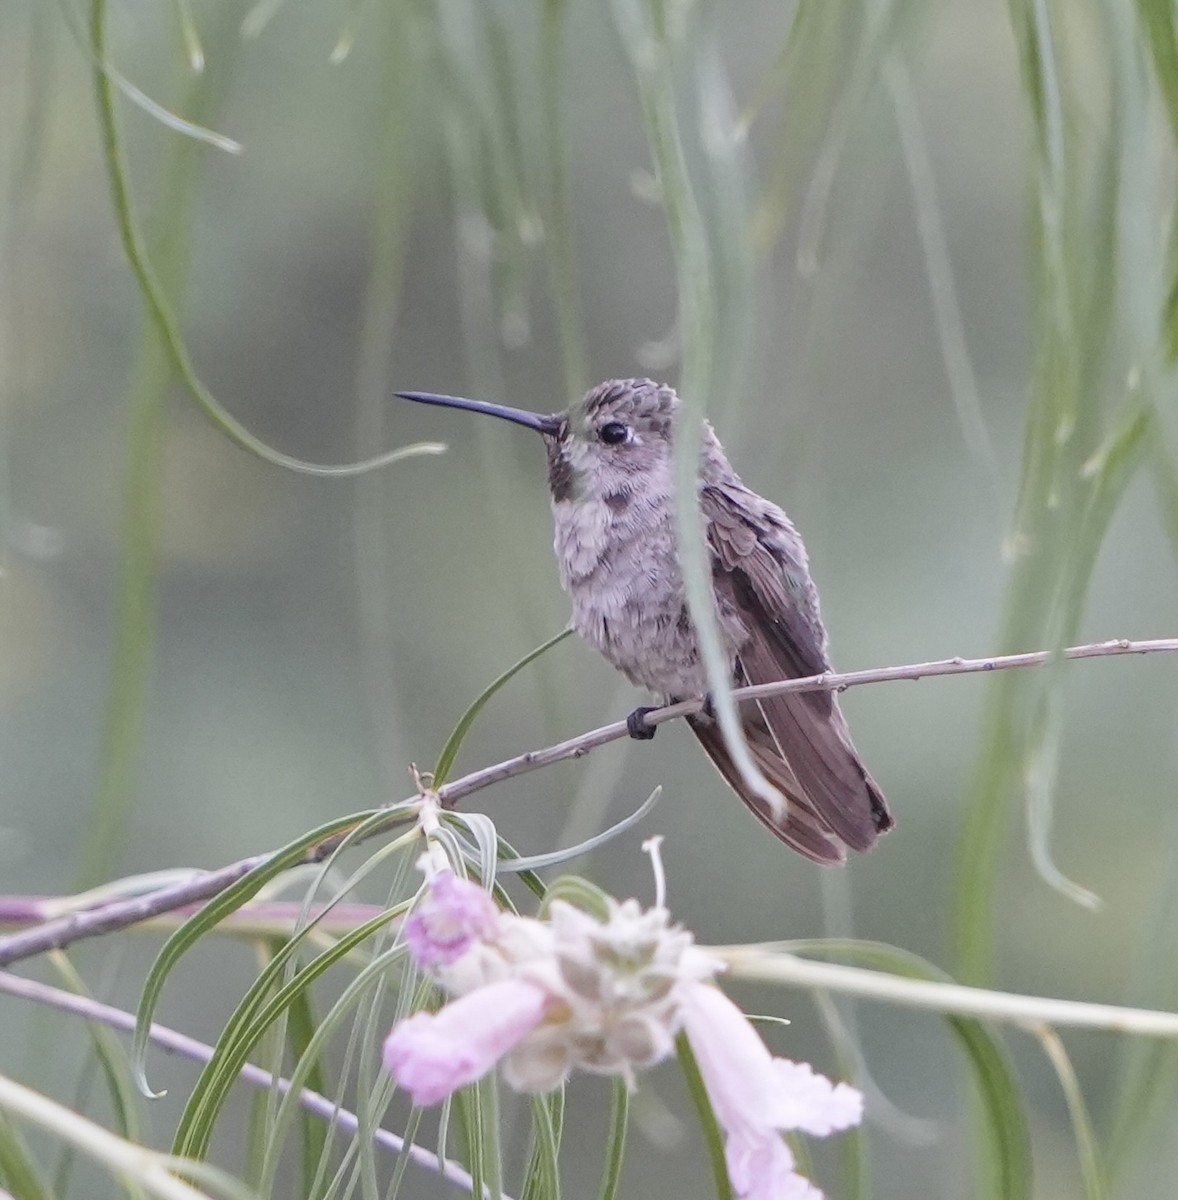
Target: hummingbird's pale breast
{"x": 615, "y": 546}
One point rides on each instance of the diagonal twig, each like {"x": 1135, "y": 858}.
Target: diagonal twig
{"x": 831, "y": 681}
{"x": 340, "y": 1119}
{"x": 119, "y": 914}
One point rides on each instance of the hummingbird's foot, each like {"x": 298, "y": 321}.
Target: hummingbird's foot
{"x": 708, "y": 708}
{"x": 637, "y": 727}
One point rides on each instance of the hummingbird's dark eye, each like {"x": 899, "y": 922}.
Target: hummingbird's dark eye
{"x": 613, "y": 433}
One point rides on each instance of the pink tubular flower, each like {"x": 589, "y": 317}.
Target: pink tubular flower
{"x": 431, "y": 1055}
{"x": 604, "y": 991}
{"x": 453, "y": 915}
{"x": 755, "y": 1095}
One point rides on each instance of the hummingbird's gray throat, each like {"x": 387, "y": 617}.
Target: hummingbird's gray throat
{"x": 562, "y": 482}
{"x": 611, "y": 477}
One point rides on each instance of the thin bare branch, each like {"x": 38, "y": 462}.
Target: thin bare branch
{"x": 119, "y": 914}
{"x": 257, "y": 919}
{"x": 831, "y": 681}
{"x": 180, "y": 1043}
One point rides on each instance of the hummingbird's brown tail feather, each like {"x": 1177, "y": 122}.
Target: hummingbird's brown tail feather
{"x": 761, "y": 578}
{"x": 808, "y": 731}
{"x": 800, "y": 827}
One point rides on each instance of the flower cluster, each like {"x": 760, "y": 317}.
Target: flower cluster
{"x": 539, "y": 998}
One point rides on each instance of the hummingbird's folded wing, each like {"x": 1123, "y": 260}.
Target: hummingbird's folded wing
{"x": 760, "y": 573}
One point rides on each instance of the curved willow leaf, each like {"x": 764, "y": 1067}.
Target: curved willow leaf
{"x": 1092, "y": 1167}
{"x": 231, "y": 899}
{"x": 1006, "y": 1157}
{"x": 369, "y": 978}
{"x": 616, "y": 1145}
{"x": 111, "y": 1056}
{"x": 160, "y": 311}
{"x": 712, "y": 1135}
{"x": 138, "y": 1169}
{"x": 536, "y": 861}
{"x": 700, "y": 280}
{"x": 578, "y": 892}
{"x": 19, "y": 1172}
{"x": 455, "y": 740}
{"x": 254, "y": 1016}
{"x": 315, "y": 1136}
{"x": 542, "y": 1181}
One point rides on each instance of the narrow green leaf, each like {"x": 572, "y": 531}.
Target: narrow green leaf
{"x": 466, "y": 1107}
{"x": 369, "y": 983}
{"x": 490, "y": 1115}
{"x": 19, "y": 1172}
{"x": 191, "y": 36}
{"x": 1165, "y": 477}
{"x": 1091, "y": 1164}
{"x": 813, "y": 65}
{"x": 1078, "y": 185}
{"x": 1156, "y": 18}
{"x": 1006, "y": 1147}
{"x": 1157, "y": 21}
{"x": 249, "y": 1020}
{"x": 412, "y": 1124}
{"x": 713, "y": 1137}
{"x": 854, "y": 1144}
{"x": 714, "y": 287}
{"x": 160, "y": 312}
{"x": 125, "y": 705}
{"x": 455, "y": 740}
{"x": 578, "y": 892}
{"x": 111, "y": 1057}
{"x": 536, "y": 861}
{"x": 615, "y": 1146}
{"x": 1007, "y": 1153}
{"x": 255, "y": 1137}
{"x": 477, "y": 1109}
{"x": 551, "y": 152}
{"x": 542, "y": 1179}
{"x": 201, "y": 922}
{"x": 300, "y": 1029}
{"x": 250, "y": 1023}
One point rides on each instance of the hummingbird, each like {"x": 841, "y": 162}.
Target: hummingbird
{"x": 610, "y": 477}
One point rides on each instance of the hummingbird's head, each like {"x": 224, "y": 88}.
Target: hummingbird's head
{"x": 617, "y": 436}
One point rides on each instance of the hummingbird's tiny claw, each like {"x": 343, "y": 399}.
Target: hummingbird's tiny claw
{"x": 637, "y": 727}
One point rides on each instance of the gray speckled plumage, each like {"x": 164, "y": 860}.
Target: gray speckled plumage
{"x": 610, "y": 475}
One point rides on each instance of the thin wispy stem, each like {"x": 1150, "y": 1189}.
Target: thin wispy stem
{"x": 161, "y": 312}
{"x": 1031, "y": 1012}
{"x": 120, "y": 914}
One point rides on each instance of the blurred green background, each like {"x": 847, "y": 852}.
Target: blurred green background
{"x": 395, "y": 220}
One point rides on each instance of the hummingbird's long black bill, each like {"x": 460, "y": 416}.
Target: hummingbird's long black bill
{"x": 548, "y": 425}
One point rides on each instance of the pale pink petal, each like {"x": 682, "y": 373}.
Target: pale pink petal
{"x": 431, "y": 1055}
{"x": 736, "y": 1065}
{"x": 761, "y": 1167}
{"x": 453, "y": 915}
{"x": 810, "y": 1102}
{"x": 754, "y": 1095}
